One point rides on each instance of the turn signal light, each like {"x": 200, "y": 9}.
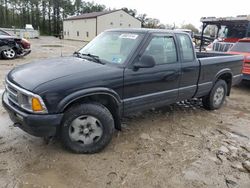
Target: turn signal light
{"x": 36, "y": 105}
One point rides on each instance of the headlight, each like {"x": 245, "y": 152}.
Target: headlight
{"x": 25, "y": 99}
{"x": 31, "y": 102}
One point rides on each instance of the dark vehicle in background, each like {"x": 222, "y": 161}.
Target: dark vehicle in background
{"x": 83, "y": 98}
{"x": 242, "y": 47}
{"x": 12, "y": 46}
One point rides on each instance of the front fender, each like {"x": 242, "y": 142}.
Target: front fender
{"x": 84, "y": 93}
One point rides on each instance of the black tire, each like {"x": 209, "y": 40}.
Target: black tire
{"x": 9, "y": 53}
{"x": 210, "y": 101}
{"x": 104, "y": 121}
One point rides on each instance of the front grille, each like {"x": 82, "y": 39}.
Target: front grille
{"x": 12, "y": 93}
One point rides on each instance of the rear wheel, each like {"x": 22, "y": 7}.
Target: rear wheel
{"x": 87, "y": 128}
{"x": 9, "y": 53}
{"x": 216, "y": 97}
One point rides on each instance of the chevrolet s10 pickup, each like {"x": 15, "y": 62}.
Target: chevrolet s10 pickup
{"x": 82, "y": 98}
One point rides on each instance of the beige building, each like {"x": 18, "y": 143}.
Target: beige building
{"x": 86, "y": 26}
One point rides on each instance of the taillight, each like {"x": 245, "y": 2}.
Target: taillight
{"x": 25, "y": 40}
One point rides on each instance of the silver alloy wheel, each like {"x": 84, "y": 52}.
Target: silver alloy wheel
{"x": 219, "y": 95}
{"x": 9, "y": 53}
{"x": 85, "y": 129}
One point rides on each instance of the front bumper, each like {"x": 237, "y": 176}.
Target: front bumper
{"x": 37, "y": 125}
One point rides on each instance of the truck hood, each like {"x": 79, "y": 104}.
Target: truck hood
{"x": 30, "y": 76}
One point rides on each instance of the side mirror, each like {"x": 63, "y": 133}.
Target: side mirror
{"x": 146, "y": 61}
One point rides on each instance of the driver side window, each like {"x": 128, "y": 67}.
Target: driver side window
{"x": 162, "y": 49}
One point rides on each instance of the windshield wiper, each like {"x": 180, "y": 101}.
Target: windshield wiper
{"x": 94, "y": 57}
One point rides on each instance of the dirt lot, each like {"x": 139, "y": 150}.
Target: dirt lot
{"x": 178, "y": 146}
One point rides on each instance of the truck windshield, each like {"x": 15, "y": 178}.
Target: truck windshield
{"x": 113, "y": 47}
{"x": 241, "y": 47}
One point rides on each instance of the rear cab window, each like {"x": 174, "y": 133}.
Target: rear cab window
{"x": 186, "y": 47}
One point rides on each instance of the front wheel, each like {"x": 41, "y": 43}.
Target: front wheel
{"x": 87, "y": 128}
{"x": 216, "y": 97}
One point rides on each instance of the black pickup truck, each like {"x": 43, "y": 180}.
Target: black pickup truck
{"x": 82, "y": 98}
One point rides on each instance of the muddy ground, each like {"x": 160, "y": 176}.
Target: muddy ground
{"x": 178, "y": 146}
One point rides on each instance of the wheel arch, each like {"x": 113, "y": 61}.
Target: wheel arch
{"x": 2, "y": 48}
{"x": 107, "y": 97}
{"x": 227, "y": 76}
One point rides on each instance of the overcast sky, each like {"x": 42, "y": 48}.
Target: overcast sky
{"x": 182, "y": 11}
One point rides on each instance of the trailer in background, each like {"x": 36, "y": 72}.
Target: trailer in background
{"x": 28, "y": 32}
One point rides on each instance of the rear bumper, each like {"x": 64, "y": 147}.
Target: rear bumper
{"x": 37, "y": 125}
{"x": 24, "y": 52}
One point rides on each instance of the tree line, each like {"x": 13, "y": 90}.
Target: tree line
{"x": 47, "y": 15}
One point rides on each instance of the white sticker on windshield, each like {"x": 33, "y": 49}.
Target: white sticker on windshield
{"x": 128, "y": 36}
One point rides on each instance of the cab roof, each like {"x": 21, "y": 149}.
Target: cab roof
{"x": 145, "y": 30}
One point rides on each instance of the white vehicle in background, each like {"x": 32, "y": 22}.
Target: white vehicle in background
{"x": 29, "y": 27}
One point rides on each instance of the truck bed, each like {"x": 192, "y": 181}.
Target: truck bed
{"x": 213, "y": 64}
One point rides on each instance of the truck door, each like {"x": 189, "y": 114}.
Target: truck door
{"x": 190, "y": 67}
{"x": 151, "y": 87}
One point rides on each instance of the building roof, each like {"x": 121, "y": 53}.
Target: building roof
{"x": 90, "y": 15}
